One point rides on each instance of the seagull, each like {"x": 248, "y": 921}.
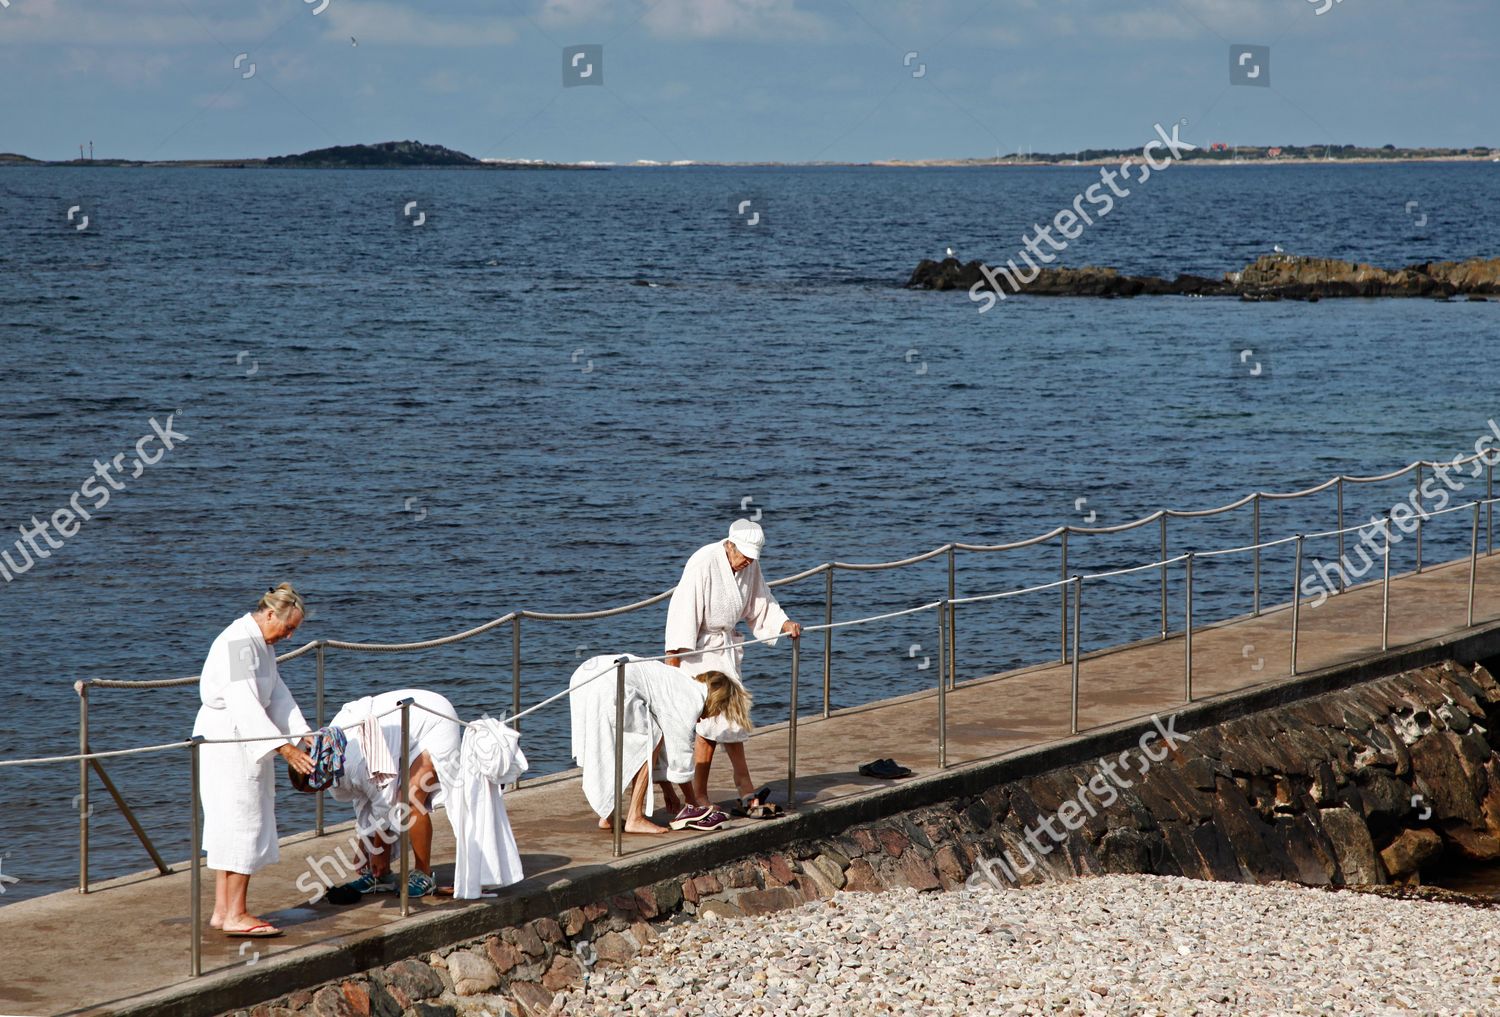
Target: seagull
{"x": 354, "y": 40}
{"x": 951, "y": 253}
{"x": 1279, "y": 249}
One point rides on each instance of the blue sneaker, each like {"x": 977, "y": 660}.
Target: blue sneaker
{"x": 420, "y": 884}
{"x": 367, "y": 883}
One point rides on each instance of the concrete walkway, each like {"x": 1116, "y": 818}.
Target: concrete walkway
{"x": 71, "y": 953}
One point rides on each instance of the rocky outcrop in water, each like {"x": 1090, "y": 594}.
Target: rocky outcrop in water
{"x": 1271, "y": 277}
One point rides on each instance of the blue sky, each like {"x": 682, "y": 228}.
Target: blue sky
{"x": 737, "y": 80}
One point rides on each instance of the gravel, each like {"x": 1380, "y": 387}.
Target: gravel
{"x": 1107, "y": 945}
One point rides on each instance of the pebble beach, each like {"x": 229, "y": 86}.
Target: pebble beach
{"x": 1108, "y": 945}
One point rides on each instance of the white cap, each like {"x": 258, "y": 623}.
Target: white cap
{"x": 747, "y": 537}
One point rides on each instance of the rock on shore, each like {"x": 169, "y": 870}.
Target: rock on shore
{"x": 1108, "y": 945}
{"x": 1271, "y": 277}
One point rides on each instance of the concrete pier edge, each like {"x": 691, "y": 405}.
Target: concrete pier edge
{"x": 244, "y": 986}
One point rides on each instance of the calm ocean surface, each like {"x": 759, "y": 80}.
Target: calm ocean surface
{"x": 427, "y": 427}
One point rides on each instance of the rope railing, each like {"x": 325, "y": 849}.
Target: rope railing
{"x": 1490, "y": 458}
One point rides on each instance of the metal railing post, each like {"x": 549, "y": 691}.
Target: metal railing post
{"x": 1164, "y": 625}
{"x": 791, "y": 728}
{"x": 1077, "y": 650}
{"x": 515, "y": 668}
{"x": 195, "y": 906}
{"x": 1296, "y": 600}
{"x": 1255, "y": 609}
{"x": 942, "y": 695}
{"x": 1489, "y": 514}
{"x": 1342, "y": 559}
{"x": 619, "y": 818}
{"x": 1385, "y": 586}
{"x": 1064, "y": 591}
{"x": 1473, "y": 562}
{"x": 827, "y": 640}
{"x": 318, "y": 804}
{"x": 952, "y": 676}
{"x": 1187, "y": 632}
{"x": 403, "y": 790}
{"x": 1419, "y": 518}
{"x": 83, "y": 787}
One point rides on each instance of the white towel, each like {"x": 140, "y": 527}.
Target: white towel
{"x": 486, "y": 848}
{"x": 377, "y": 751}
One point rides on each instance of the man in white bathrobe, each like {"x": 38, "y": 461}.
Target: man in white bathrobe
{"x": 372, "y": 726}
{"x": 721, "y": 586}
{"x": 243, "y": 696}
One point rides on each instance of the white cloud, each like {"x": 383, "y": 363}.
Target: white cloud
{"x": 119, "y": 68}
{"x": 732, "y": 19}
{"x": 124, "y": 23}
{"x": 234, "y": 98}
{"x": 444, "y": 82}
{"x": 573, "y": 12}
{"x": 375, "y": 23}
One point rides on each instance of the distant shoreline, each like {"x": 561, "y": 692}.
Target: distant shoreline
{"x": 261, "y": 164}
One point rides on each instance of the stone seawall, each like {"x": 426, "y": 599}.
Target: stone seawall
{"x": 1362, "y": 785}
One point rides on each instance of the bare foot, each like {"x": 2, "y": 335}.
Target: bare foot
{"x": 643, "y": 825}
{"x": 216, "y": 921}
{"x": 607, "y": 823}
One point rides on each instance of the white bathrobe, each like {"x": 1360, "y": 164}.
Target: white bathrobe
{"x": 709, "y": 601}
{"x": 662, "y": 704}
{"x": 486, "y": 852}
{"x": 374, "y": 797}
{"x": 243, "y": 697}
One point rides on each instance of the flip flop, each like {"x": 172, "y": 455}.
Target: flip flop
{"x": 265, "y": 930}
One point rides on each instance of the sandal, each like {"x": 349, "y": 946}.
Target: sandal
{"x": 265, "y": 930}
{"x": 763, "y": 808}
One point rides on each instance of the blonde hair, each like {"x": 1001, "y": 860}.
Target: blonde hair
{"x": 726, "y": 697}
{"x": 282, "y": 601}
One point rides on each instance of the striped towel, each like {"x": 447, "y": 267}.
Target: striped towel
{"x": 328, "y": 744}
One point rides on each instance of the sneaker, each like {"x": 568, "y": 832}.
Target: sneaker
{"x": 420, "y": 884}
{"x": 689, "y": 814}
{"x": 712, "y": 821}
{"x": 367, "y": 883}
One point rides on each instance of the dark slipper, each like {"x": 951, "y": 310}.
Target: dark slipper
{"x": 884, "y": 769}
{"x": 343, "y": 895}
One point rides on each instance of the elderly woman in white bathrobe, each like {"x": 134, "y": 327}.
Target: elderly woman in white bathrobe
{"x": 243, "y": 696}
{"x": 722, "y": 586}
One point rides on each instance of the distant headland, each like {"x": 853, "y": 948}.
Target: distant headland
{"x": 384, "y": 155}
{"x": 417, "y": 155}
